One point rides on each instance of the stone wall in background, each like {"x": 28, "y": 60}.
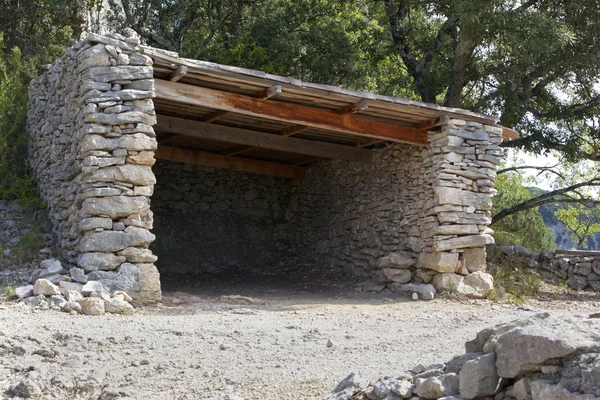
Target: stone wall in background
{"x": 341, "y": 218}
{"x": 348, "y": 215}
{"x": 578, "y": 271}
{"x": 91, "y": 149}
{"x": 210, "y": 220}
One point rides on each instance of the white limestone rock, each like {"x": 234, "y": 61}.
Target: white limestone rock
{"x": 72, "y": 296}
{"x": 437, "y": 386}
{"x": 138, "y": 255}
{"x": 135, "y": 142}
{"x": 58, "y": 301}
{"x": 78, "y": 275}
{"x": 95, "y": 56}
{"x": 546, "y": 336}
{"x": 99, "y": 261}
{"x": 45, "y": 287}
{"x": 475, "y": 259}
{"x": 92, "y": 306}
{"x": 395, "y": 275}
{"x": 462, "y": 242}
{"x": 89, "y": 224}
{"x": 50, "y": 267}
{"x": 544, "y": 390}
{"x": 439, "y": 261}
{"x": 24, "y": 291}
{"x": 478, "y": 377}
{"x": 399, "y": 260}
{"x": 91, "y": 287}
{"x": 110, "y": 74}
{"x": 477, "y": 285}
{"x": 139, "y": 175}
{"x": 448, "y": 282}
{"x": 117, "y": 305}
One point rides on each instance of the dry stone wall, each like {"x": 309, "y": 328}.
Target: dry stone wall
{"x": 91, "y": 148}
{"x": 413, "y": 214}
{"x": 580, "y": 272}
{"x": 210, "y": 220}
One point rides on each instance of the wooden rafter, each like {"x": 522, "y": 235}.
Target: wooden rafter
{"x": 178, "y": 73}
{"x": 213, "y": 116}
{"x": 292, "y": 113}
{"x": 246, "y": 137}
{"x": 227, "y": 162}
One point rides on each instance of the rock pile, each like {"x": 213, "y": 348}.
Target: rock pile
{"x": 72, "y": 293}
{"x": 580, "y": 272}
{"x": 544, "y": 357}
{"x": 398, "y": 273}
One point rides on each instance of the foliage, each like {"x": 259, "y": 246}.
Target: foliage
{"x": 513, "y": 282}
{"x": 29, "y": 246}
{"x": 10, "y": 293}
{"x": 525, "y": 228}
{"x": 582, "y": 222}
{"x": 534, "y": 63}
{"x": 31, "y": 33}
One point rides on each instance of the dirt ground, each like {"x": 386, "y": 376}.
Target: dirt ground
{"x": 295, "y": 342}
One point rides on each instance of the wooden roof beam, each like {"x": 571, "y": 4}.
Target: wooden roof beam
{"x": 227, "y": 162}
{"x": 178, "y": 73}
{"x": 286, "y": 112}
{"x": 346, "y": 110}
{"x": 265, "y": 94}
{"x": 246, "y": 137}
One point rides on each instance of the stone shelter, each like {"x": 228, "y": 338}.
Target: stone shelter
{"x": 148, "y": 160}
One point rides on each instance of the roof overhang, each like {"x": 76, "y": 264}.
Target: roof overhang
{"x": 229, "y": 117}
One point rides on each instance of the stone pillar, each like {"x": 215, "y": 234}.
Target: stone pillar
{"x": 104, "y": 199}
{"x": 459, "y": 167}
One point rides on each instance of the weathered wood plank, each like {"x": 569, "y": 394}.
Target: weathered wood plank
{"x": 178, "y": 73}
{"x": 247, "y": 105}
{"x": 246, "y": 137}
{"x": 228, "y": 162}
{"x": 213, "y": 116}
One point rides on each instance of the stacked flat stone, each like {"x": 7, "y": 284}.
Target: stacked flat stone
{"x": 460, "y": 165}
{"x": 580, "y": 272}
{"x": 92, "y": 147}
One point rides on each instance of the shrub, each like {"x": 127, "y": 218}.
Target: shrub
{"x": 513, "y": 281}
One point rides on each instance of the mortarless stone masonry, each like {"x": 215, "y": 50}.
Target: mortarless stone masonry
{"x": 91, "y": 149}
{"x": 92, "y": 146}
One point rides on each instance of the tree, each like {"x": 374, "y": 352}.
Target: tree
{"x": 533, "y": 62}
{"x": 185, "y": 26}
{"x": 32, "y": 33}
{"x": 573, "y": 183}
{"x": 582, "y": 221}
{"x": 525, "y": 228}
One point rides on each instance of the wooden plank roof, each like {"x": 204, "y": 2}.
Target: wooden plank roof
{"x": 250, "y": 100}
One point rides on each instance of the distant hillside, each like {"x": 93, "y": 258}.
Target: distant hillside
{"x": 563, "y": 240}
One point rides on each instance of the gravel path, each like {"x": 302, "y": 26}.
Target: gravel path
{"x": 297, "y": 346}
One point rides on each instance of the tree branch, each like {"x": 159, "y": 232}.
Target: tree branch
{"x": 550, "y": 197}
{"x": 541, "y": 169}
